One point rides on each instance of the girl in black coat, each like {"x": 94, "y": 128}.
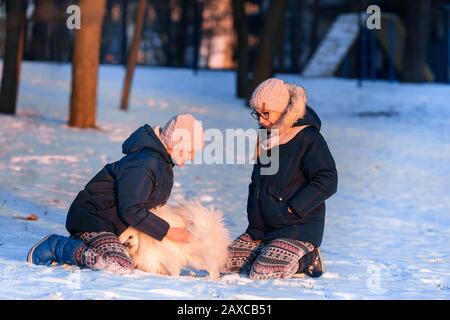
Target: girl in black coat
{"x": 286, "y": 210}
{"x": 122, "y": 194}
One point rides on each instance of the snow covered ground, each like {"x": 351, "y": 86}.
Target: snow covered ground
{"x": 387, "y": 228}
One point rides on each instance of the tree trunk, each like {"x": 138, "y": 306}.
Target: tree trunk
{"x": 241, "y": 30}
{"x": 180, "y": 43}
{"x": 59, "y": 40}
{"x": 198, "y": 24}
{"x": 85, "y": 63}
{"x": 272, "y": 30}
{"x": 39, "y": 41}
{"x": 295, "y": 35}
{"x": 418, "y": 31}
{"x": 133, "y": 54}
{"x": 314, "y": 28}
{"x": 279, "y": 51}
{"x": 167, "y": 29}
{"x": 124, "y": 37}
{"x": 14, "y": 43}
{"x": 106, "y": 32}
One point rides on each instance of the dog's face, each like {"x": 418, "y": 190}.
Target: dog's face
{"x": 129, "y": 238}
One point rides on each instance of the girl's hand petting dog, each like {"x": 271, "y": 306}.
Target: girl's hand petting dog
{"x": 178, "y": 235}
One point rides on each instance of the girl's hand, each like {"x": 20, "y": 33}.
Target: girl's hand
{"x": 180, "y": 235}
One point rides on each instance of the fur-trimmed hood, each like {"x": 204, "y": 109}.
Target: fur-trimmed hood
{"x": 297, "y": 116}
{"x": 310, "y": 119}
{"x": 297, "y": 113}
{"x": 296, "y": 108}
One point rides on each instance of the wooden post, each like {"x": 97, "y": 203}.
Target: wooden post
{"x": 133, "y": 54}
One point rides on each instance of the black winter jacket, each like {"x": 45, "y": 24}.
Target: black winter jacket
{"x": 122, "y": 193}
{"x": 306, "y": 177}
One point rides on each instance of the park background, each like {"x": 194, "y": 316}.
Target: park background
{"x": 68, "y": 99}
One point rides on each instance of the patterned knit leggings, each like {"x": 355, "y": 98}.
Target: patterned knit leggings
{"x": 275, "y": 259}
{"x": 103, "y": 251}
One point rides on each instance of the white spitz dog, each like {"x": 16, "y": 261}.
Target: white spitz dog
{"x": 206, "y": 250}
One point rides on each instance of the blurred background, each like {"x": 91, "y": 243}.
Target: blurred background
{"x": 78, "y": 77}
{"x": 202, "y": 33}
{"x": 257, "y": 38}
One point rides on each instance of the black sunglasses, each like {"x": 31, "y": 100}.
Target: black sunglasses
{"x": 256, "y": 115}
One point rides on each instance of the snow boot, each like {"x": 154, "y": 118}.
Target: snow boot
{"x": 55, "y": 248}
{"x": 311, "y": 264}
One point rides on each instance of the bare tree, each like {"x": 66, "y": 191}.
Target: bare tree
{"x": 50, "y": 40}
{"x": 14, "y": 43}
{"x": 418, "y": 23}
{"x": 272, "y": 30}
{"x": 39, "y": 34}
{"x": 197, "y": 36}
{"x": 107, "y": 33}
{"x": 133, "y": 54}
{"x": 44, "y": 19}
{"x": 85, "y": 64}
{"x": 123, "y": 35}
{"x": 60, "y": 43}
{"x": 296, "y": 7}
{"x": 315, "y": 25}
{"x": 180, "y": 42}
{"x": 242, "y": 54}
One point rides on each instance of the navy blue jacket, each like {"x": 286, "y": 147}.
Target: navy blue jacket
{"x": 122, "y": 193}
{"x": 306, "y": 177}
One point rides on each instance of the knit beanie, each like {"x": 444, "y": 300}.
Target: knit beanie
{"x": 273, "y": 93}
{"x": 183, "y": 131}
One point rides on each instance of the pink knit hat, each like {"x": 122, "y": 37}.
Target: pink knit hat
{"x": 183, "y": 131}
{"x": 273, "y": 93}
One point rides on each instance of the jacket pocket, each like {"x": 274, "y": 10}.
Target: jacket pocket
{"x": 272, "y": 211}
{"x": 285, "y": 218}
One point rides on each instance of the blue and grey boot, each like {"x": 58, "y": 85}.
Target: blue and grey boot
{"x": 55, "y": 248}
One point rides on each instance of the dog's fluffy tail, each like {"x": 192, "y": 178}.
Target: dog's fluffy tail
{"x": 207, "y": 225}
